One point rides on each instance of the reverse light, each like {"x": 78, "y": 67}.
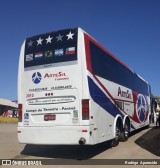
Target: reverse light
{"x": 85, "y": 109}
{"x": 19, "y": 112}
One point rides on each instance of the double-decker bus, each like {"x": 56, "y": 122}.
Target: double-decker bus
{"x": 71, "y": 90}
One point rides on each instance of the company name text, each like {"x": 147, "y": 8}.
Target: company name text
{"x": 124, "y": 94}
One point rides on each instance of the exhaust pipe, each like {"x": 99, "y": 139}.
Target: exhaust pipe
{"x": 82, "y": 141}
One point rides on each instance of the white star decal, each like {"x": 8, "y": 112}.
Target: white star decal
{"x": 70, "y": 35}
{"x": 49, "y": 39}
{"x": 30, "y": 43}
{"x": 59, "y": 37}
{"x": 39, "y": 41}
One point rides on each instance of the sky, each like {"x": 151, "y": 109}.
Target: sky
{"x": 129, "y": 29}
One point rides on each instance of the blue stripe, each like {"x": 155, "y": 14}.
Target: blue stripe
{"x": 102, "y": 100}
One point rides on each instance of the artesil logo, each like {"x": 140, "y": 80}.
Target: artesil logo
{"x": 141, "y": 107}
{"x": 36, "y": 77}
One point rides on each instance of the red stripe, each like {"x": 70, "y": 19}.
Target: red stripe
{"x": 87, "y": 50}
{"x": 103, "y": 86}
{"x": 109, "y": 93}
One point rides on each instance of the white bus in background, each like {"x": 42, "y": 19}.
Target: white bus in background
{"x": 71, "y": 90}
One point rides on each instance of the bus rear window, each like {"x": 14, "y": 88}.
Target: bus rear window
{"x": 51, "y": 48}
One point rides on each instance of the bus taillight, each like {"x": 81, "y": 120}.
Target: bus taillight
{"x": 85, "y": 109}
{"x": 19, "y": 112}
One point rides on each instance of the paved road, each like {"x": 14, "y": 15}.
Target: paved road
{"x": 142, "y": 145}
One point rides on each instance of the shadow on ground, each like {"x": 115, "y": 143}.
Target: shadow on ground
{"x": 65, "y": 151}
{"x": 150, "y": 141}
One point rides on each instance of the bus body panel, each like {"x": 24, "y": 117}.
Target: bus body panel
{"x": 129, "y": 94}
{"x": 52, "y": 93}
{"x": 57, "y": 98}
{"x": 55, "y": 94}
{"x": 57, "y": 135}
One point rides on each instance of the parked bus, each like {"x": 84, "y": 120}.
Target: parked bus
{"x": 71, "y": 91}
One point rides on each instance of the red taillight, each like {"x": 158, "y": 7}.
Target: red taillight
{"x": 19, "y": 112}
{"x": 85, "y": 109}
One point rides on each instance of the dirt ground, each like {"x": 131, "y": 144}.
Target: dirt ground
{"x": 144, "y": 144}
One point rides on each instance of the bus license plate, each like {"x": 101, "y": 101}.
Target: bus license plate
{"x": 49, "y": 117}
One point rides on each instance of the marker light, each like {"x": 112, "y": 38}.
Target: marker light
{"x": 19, "y": 112}
{"x": 85, "y": 109}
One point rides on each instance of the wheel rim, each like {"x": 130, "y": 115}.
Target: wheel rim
{"x": 117, "y": 132}
{"x": 126, "y": 131}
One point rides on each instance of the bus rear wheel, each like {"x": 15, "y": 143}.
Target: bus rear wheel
{"x": 125, "y": 133}
{"x": 115, "y": 141}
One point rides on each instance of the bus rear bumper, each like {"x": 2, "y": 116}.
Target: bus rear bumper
{"x": 59, "y": 135}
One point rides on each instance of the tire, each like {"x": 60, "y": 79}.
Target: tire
{"x": 125, "y": 133}
{"x": 115, "y": 141}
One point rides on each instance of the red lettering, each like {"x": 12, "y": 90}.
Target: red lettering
{"x": 59, "y": 74}
{"x": 46, "y": 75}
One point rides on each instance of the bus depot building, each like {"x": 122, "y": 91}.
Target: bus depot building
{"x": 8, "y": 108}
